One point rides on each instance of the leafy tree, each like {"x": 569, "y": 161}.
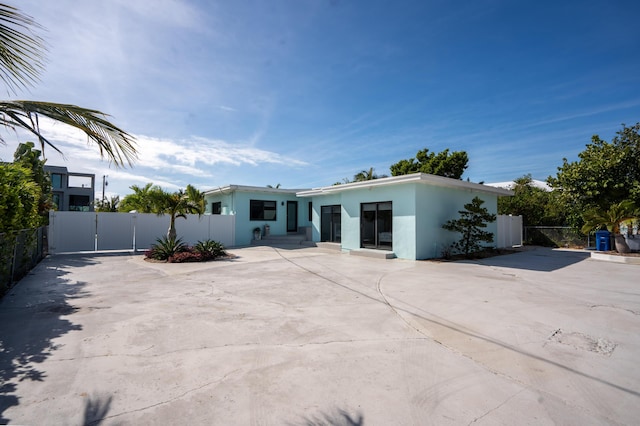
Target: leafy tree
{"x": 536, "y": 205}
{"x": 143, "y": 200}
{"x": 19, "y": 198}
{"x": 29, "y": 158}
{"x": 110, "y": 205}
{"x": 605, "y": 174}
{"x": 473, "y": 219}
{"x": 22, "y": 57}
{"x": 442, "y": 164}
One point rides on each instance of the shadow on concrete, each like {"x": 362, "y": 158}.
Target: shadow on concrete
{"x": 32, "y": 314}
{"x": 336, "y": 417}
{"x": 96, "y": 409}
{"x": 541, "y": 259}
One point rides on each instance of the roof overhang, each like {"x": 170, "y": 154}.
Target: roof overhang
{"x": 421, "y": 178}
{"x": 243, "y": 188}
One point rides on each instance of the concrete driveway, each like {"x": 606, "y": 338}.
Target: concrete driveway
{"x": 309, "y": 336}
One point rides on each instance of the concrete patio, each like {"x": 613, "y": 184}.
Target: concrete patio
{"x": 312, "y": 336}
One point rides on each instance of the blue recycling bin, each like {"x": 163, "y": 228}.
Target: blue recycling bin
{"x": 603, "y": 240}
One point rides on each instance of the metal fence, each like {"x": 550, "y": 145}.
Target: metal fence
{"x": 20, "y": 251}
{"x": 556, "y": 236}
{"x": 89, "y": 231}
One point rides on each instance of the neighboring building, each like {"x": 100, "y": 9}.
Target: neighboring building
{"x": 511, "y": 184}
{"x": 71, "y": 191}
{"x": 402, "y": 215}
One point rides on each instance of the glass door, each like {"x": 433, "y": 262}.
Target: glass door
{"x": 376, "y": 221}
{"x": 292, "y": 216}
{"x": 330, "y": 224}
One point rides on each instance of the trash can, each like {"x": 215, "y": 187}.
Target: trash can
{"x": 603, "y": 240}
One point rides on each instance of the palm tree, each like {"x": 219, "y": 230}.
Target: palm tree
{"x": 21, "y": 62}
{"x": 143, "y": 200}
{"x": 365, "y": 175}
{"x": 110, "y": 205}
{"x": 611, "y": 219}
{"x": 178, "y": 204}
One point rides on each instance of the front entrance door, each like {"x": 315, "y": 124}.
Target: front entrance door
{"x": 330, "y": 223}
{"x": 375, "y": 226}
{"x": 292, "y": 216}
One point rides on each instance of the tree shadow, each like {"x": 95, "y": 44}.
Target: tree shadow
{"x": 336, "y": 417}
{"x": 96, "y": 409}
{"x": 541, "y": 259}
{"x": 32, "y": 314}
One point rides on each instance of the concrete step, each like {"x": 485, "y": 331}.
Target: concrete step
{"x": 273, "y": 240}
{"x": 376, "y": 254}
{"x": 330, "y": 246}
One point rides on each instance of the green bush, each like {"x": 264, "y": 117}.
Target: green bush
{"x": 175, "y": 251}
{"x": 210, "y": 248}
{"x": 165, "y": 248}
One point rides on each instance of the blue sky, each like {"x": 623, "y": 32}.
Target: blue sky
{"x": 306, "y": 93}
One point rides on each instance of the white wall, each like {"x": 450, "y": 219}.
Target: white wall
{"x": 509, "y": 231}
{"x": 88, "y": 231}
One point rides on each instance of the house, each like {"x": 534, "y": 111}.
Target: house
{"x": 399, "y": 216}
{"x": 71, "y": 191}
{"x": 274, "y": 210}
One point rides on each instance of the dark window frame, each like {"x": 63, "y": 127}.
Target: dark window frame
{"x": 261, "y": 210}
{"x": 216, "y": 207}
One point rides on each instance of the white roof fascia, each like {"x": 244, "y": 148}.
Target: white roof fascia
{"x": 415, "y": 178}
{"x": 244, "y": 188}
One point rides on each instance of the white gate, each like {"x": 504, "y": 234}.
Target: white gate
{"x": 509, "y": 231}
{"x": 89, "y": 231}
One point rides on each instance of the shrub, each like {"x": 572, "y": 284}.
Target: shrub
{"x": 209, "y": 249}
{"x": 165, "y": 248}
{"x": 175, "y": 251}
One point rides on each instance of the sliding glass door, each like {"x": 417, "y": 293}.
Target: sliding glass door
{"x": 330, "y": 224}
{"x": 376, "y": 225}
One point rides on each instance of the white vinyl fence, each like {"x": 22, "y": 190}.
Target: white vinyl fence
{"x": 89, "y": 231}
{"x": 509, "y": 231}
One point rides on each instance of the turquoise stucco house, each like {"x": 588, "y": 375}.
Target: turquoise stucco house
{"x": 401, "y": 215}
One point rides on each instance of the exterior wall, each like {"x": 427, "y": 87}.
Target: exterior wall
{"x": 237, "y": 203}
{"x": 434, "y": 206}
{"x": 402, "y": 198}
{"x": 64, "y": 191}
{"x": 318, "y": 202}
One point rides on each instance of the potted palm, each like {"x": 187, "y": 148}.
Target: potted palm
{"x": 611, "y": 219}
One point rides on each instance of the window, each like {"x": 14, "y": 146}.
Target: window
{"x": 56, "y": 181}
{"x": 262, "y": 210}
{"x": 216, "y": 208}
{"x": 310, "y": 211}
{"x": 56, "y": 201}
{"x": 79, "y": 203}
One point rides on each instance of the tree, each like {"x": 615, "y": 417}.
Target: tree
{"x": 29, "y": 158}
{"x": 536, "y": 205}
{"x": 611, "y": 218}
{"x": 110, "y": 205}
{"x": 442, "y": 164}
{"x": 19, "y": 197}
{"x": 606, "y": 173}
{"x": 143, "y": 200}
{"x": 179, "y": 204}
{"x": 22, "y": 56}
{"x": 473, "y": 219}
{"x": 366, "y": 175}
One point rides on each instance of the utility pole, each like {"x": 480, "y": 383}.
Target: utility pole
{"x": 104, "y": 183}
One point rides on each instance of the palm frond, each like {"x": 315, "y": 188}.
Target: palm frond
{"x": 113, "y": 143}
{"x": 22, "y": 51}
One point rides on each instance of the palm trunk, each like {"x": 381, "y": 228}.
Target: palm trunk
{"x": 171, "y": 233}
{"x": 621, "y": 244}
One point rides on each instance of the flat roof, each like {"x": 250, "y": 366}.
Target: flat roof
{"x": 422, "y": 178}
{"x": 246, "y": 188}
